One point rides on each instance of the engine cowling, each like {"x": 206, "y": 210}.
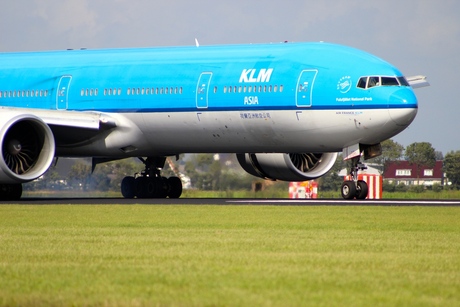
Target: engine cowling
{"x": 27, "y": 148}
{"x": 287, "y": 167}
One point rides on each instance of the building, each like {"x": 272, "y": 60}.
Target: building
{"x": 404, "y": 172}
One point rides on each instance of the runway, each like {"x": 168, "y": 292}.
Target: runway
{"x": 233, "y": 201}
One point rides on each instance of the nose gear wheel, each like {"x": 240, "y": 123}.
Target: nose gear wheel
{"x": 355, "y": 189}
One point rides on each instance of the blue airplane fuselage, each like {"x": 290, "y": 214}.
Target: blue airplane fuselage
{"x": 284, "y": 109}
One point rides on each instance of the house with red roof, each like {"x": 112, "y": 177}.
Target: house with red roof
{"x": 405, "y": 172}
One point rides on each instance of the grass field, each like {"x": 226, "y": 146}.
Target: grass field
{"x": 269, "y": 193}
{"x": 229, "y": 256}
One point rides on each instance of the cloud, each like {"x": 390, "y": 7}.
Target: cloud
{"x": 68, "y": 21}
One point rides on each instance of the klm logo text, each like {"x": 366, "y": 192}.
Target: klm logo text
{"x": 256, "y": 75}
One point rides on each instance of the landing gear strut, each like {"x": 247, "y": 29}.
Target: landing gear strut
{"x": 149, "y": 183}
{"x": 355, "y": 188}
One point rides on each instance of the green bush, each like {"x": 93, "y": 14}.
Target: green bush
{"x": 437, "y": 188}
{"x": 388, "y": 186}
{"x": 417, "y": 188}
{"x": 401, "y": 187}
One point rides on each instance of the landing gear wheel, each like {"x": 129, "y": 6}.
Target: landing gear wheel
{"x": 149, "y": 183}
{"x": 162, "y": 187}
{"x": 348, "y": 190}
{"x": 175, "y": 187}
{"x": 362, "y": 190}
{"x": 128, "y": 187}
{"x": 142, "y": 187}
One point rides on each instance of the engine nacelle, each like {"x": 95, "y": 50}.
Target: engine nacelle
{"x": 27, "y": 147}
{"x": 287, "y": 167}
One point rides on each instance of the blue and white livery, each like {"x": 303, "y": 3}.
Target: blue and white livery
{"x": 284, "y": 109}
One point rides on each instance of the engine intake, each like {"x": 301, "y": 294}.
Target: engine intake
{"x": 27, "y": 149}
{"x": 287, "y": 167}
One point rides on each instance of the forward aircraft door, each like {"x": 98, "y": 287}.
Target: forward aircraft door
{"x": 202, "y": 90}
{"x": 62, "y": 94}
{"x": 305, "y": 87}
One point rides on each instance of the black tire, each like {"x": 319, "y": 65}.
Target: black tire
{"x": 362, "y": 191}
{"x": 128, "y": 187}
{"x": 162, "y": 187}
{"x": 141, "y": 187}
{"x": 175, "y": 187}
{"x": 348, "y": 190}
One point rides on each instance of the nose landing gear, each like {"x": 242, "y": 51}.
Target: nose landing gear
{"x": 149, "y": 183}
{"x": 355, "y": 188}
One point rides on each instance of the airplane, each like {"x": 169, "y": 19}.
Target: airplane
{"x": 284, "y": 109}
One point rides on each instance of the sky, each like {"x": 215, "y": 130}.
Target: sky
{"x": 420, "y": 37}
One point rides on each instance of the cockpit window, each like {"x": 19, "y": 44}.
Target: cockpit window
{"x": 403, "y": 81}
{"x": 372, "y": 81}
{"x": 362, "y": 82}
{"x": 390, "y": 81}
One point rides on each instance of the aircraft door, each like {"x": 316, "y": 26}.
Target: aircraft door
{"x": 305, "y": 87}
{"x": 202, "y": 90}
{"x": 62, "y": 94}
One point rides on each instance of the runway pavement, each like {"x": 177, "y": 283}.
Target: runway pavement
{"x": 231, "y": 201}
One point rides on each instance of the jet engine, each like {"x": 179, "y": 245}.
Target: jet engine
{"x": 287, "y": 167}
{"x": 27, "y": 148}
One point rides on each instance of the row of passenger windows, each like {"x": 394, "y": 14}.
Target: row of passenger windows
{"x": 23, "y": 93}
{"x": 144, "y": 91}
{"x": 154, "y": 91}
{"x": 132, "y": 91}
{"x": 252, "y": 89}
{"x": 371, "y": 81}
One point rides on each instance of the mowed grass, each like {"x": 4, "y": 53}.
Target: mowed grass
{"x": 229, "y": 256}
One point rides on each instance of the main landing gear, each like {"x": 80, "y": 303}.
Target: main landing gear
{"x": 149, "y": 183}
{"x": 355, "y": 188}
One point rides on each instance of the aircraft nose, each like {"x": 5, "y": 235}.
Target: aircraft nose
{"x": 403, "y": 106}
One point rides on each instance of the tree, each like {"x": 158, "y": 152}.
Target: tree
{"x": 80, "y": 174}
{"x": 421, "y": 154}
{"x": 391, "y": 151}
{"x": 331, "y": 181}
{"x": 452, "y": 167}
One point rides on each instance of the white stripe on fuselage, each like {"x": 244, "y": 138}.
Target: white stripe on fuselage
{"x": 303, "y": 130}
